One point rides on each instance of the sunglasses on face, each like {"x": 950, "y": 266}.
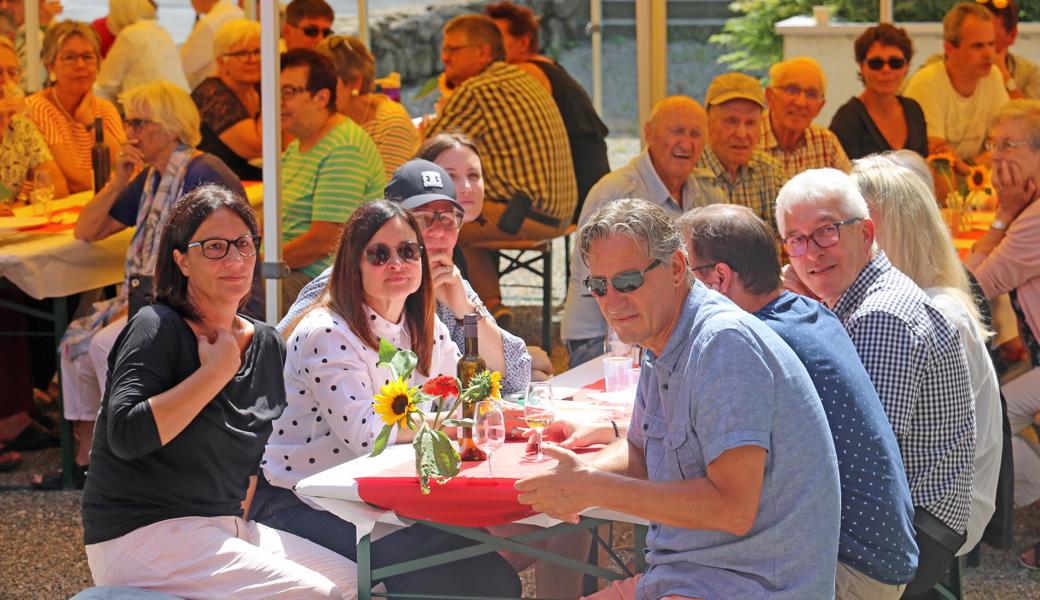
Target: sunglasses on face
{"x": 895, "y": 63}
{"x": 626, "y": 282}
{"x": 378, "y": 255}
{"x": 217, "y": 248}
{"x": 314, "y": 31}
{"x": 446, "y": 219}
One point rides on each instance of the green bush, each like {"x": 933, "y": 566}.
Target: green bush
{"x": 753, "y": 44}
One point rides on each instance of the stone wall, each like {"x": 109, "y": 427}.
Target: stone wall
{"x": 409, "y": 42}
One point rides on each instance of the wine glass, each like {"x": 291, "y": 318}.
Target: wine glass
{"x": 42, "y": 192}
{"x": 539, "y": 411}
{"x": 489, "y": 427}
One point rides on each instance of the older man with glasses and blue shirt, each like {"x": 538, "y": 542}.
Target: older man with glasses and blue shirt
{"x": 728, "y": 435}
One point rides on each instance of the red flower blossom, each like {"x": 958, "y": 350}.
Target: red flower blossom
{"x": 444, "y": 386}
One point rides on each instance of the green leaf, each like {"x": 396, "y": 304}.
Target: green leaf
{"x": 446, "y": 456}
{"x": 427, "y": 88}
{"x": 425, "y": 458}
{"x": 458, "y": 423}
{"x": 380, "y": 444}
{"x": 386, "y": 351}
{"x": 402, "y": 363}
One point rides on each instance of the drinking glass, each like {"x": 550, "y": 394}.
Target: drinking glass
{"x": 489, "y": 427}
{"x": 42, "y": 192}
{"x": 539, "y": 411}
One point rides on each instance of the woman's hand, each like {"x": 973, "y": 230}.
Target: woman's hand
{"x": 128, "y": 161}
{"x": 221, "y": 353}
{"x": 85, "y": 111}
{"x": 1015, "y": 191}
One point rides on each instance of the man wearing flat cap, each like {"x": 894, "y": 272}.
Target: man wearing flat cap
{"x": 742, "y": 172}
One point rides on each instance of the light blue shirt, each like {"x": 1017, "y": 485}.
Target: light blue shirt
{"x": 725, "y": 380}
{"x": 637, "y": 179}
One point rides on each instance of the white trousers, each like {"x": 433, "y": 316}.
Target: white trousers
{"x": 215, "y": 558}
{"x": 1023, "y": 403}
{"x": 83, "y": 378}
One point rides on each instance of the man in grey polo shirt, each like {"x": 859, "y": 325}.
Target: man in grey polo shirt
{"x": 728, "y": 435}
{"x": 665, "y": 174}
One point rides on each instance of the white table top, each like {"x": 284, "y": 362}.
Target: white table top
{"x": 51, "y": 265}
{"x": 336, "y": 489}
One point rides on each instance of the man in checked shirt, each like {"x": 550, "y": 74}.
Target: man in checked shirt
{"x": 913, "y": 355}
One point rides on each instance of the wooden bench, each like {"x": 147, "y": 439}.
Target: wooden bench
{"x": 533, "y": 256}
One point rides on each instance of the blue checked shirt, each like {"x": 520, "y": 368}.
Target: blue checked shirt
{"x": 918, "y": 366}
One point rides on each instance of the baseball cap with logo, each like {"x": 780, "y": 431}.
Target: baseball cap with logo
{"x": 734, "y": 86}
{"x": 419, "y": 182}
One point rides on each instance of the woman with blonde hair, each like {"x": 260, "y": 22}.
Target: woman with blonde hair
{"x": 910, "y": 230}
{"x": 163, "y": 130}
{"x": 143, "y": 51}
{"x": 65, "y": 112}
{"x": 229, "y": 102}
{"x": 386, "y": 121}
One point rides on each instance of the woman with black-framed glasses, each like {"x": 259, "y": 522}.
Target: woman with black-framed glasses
{"x": 380, "y": 287}
{"x": 879, "y": 119}
{"x": 194, "y": 389}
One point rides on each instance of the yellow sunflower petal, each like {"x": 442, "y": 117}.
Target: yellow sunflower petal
{"x": 496, "y": 384}
{"x": 395, "y": 402}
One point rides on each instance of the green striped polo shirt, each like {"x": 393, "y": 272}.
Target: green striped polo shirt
{"x": 328, "y": 182}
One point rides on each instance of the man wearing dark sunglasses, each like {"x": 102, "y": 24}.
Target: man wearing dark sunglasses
{"x": 796, "y": 94}
{"x": 733, "y": 252}
{"x": 426, "y": 191}
{"x": 913, "y": 355}
{"x": 961, "y": 93}
{"x": 307, "y": 23}
{"x": 728, "y": 436}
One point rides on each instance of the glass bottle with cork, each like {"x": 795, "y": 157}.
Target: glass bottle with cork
{"x": 469, "y": 365}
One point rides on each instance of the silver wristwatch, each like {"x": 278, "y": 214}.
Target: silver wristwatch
{"x": 998, "y": 225}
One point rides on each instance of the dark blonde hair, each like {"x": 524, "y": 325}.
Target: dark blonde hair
{"x": 350, "y": 59}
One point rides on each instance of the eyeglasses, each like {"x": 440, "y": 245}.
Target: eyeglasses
{"x": 704, "y": 266}
{"x": 626, "y": 282}
{"x": 290, "y": 91}
{"x": 823, "y": 237}
{"x": 1005, "y": 145}
{"x": 13, "y": 72}
{"x": 454, "y": 49}
{"x": 217, "y": 248}
{"x": 71, "y": 58}
{"x": 792, "y": 90}
{"x": 244, "y": 55}
{"x": 379, "y": 254}
{"x": 894, "y": 62}
{"x": 447, "y": 219}
{"x": 136, "y": 124}
{"x": 314, "y": 30}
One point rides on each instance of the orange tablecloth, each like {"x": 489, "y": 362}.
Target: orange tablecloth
{"x": 963, "y": 240}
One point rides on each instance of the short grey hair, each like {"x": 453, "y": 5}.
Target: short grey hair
{"x": 643, "y": 222}
{"x": 1028, "y": 111}
{"x": 954, "y": 19}
{"x": 59, "y": 33}
{"x": 169, "y": 106}
{"x": 233, "y": 33}
{"x": 816, "y": 186}
{"x": 778, "y": 70}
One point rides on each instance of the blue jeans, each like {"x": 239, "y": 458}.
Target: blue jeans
{"x": 582, "y": 351}
{"x": 484, "y": 575}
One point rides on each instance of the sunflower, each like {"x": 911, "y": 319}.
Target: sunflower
{"x": 978, "y": 179}
{"x": 496, "y": 385}
{"x": 395, "y": 403}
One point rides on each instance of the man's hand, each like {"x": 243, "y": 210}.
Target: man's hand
{"x": 569, "y": 434}
{"x": 557, "y": 493}
{"x": 447, "y": 284}
{"x": 1014, "y": 190}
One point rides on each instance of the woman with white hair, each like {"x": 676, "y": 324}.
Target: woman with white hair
{"x": 143, "y": 51}
{"x": 163, "y": 130}
{"x": 910, "y": 230}
{"x": 229, "y": 102}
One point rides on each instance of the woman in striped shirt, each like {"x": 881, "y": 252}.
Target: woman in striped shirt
{"x": 65, "y": 112}
{"x": 386, "y": 121}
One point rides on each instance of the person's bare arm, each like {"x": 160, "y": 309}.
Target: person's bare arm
{"x": 94, "y": 222}
{"x": 314, "y": 245}
{"x": 1015, "y": 191}
{"x": 726, "y": 499}
{"x": 61, "y": 187}
{"x": 247, "y": 502}
{"x": 244, "y": 138}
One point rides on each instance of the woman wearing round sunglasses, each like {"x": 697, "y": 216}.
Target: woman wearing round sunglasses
{"x": 879, "y": 119}
{"x": 380, "y": 287}
{"x": 194, "y": 389}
